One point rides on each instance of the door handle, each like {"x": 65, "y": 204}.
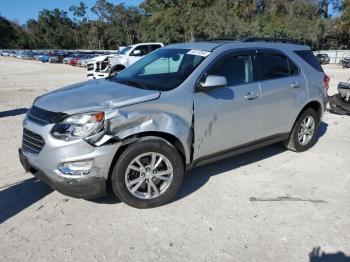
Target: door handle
{"x": 295, "y": 85}
{"x": 251, "y": 96}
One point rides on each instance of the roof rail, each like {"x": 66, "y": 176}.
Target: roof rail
{"x": 270, "y": 39}
{"x": 223, "y": 39}
{"x": 251, "y": 39}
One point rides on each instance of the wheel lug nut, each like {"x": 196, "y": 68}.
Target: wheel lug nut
{"x": 154, "y": 171}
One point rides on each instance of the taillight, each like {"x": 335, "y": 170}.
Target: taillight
{"x": 326, "y": 81}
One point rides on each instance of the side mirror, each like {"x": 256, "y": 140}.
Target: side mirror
{"x": 136, "y": 52}
{"x": 211, "y": 82}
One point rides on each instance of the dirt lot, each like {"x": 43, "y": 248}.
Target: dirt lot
{"x": 214, "y": 217}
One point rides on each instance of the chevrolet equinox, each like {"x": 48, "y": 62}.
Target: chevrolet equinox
{"x": 179, "y": 107}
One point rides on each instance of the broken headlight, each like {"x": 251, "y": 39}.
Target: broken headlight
{"x": 79, "y": 126}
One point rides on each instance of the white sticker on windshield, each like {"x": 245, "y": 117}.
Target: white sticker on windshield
{"x": 198, "y": 52}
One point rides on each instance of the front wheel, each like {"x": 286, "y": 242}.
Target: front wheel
{"x": 115, "y": 71}
{"x": 148, "y": 173}
{"x": 304, "y": 131}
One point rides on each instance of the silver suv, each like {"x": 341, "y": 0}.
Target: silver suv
{"x": 179, "y": 107}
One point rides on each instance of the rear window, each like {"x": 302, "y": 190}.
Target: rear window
{"x": 273, "y": 66}
{"x": 310, "y": 58}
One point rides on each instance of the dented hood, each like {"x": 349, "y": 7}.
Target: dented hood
{"x": 93, "y": 95}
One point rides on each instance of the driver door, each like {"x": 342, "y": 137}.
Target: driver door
{"x": 227, "y": 117}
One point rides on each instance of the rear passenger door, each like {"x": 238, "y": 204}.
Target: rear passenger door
{"x": 283, "y": 89}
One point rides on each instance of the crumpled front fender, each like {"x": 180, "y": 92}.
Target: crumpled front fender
{"x": 122, "y": 124}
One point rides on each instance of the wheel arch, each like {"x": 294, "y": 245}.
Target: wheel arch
{"x": 315, "y": 105}
{"x": 169, "y": 138}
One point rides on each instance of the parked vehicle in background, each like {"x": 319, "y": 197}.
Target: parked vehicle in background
{"x": 177, "y": 108}
{"x": 58, "y": 58}
{"x": 105, "y": 66}
{"x": 75, "y": 60}
{"x": 86, "y": 59}
{"x": 68, "y": 58}
{"x": 323, "y": 58}
{"x": 44, "y": 58}
{"x": 340, "y": 102}
{"x": 345, "y": 62}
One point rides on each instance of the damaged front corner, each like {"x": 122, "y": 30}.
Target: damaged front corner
{"x": 123, "y": 124}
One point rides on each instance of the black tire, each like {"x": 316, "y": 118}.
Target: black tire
{"x": 293, "y": 142}
{"x": 341, "y": 102}
{"x": 115, "y": 71}
{"x": 335, "y": 107}
{"x": 136, "y": 149}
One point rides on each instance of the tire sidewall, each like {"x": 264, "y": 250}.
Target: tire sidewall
{"x": 342, "y": 103}
{"x": 114, "y": 72}
{"x": 136, "y": 149}
{"x": 306, "y": 113}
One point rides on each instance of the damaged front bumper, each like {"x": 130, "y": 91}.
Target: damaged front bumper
{"x": 45, "y": 165}
{"x": 98, "y": 70}
{"x": 87, "y": 187}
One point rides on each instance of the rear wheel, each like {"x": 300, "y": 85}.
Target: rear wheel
{"x": 304, "y": 131}
{"x": 148, "y": 173}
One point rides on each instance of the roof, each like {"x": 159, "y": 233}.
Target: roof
{"x": 211, "y": 45}
{"x": 206, "y": 46}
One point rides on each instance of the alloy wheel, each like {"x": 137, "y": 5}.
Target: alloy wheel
{"x": 149, "y": 175}
{"x": 306, "y": 130}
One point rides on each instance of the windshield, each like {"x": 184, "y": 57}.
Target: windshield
{"x": 124, "y": 50}
{"x": 163, "y": 69}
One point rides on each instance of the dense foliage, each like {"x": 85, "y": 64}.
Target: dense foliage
{"x": 171, "y": 21}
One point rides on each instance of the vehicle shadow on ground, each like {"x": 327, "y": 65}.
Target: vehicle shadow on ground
{"x": 108, "y": 199}
{"x": 13, "y": 112}
{"x": 322, "y": 130}
{"x": 317, "y": 256}
{"x": 198, "y": 177}
{"x": 17, "y": 197}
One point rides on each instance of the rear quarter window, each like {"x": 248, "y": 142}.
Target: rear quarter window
{"x": 310, "y": 58}
{"x": 273, "y": 66}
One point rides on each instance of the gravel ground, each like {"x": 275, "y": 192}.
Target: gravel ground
{"x": 266, "y": 205}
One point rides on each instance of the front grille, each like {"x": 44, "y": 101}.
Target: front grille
{"x": 32, "y": 142}
{"x": 44, "y": 117}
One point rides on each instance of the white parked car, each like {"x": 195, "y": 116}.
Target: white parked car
{"x": 107, "y": 65}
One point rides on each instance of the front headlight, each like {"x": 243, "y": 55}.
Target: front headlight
{"x": 79, "y": 126}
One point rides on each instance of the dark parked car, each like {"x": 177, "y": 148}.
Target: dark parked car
{"x": 323, "y": 58}
{"x": 58, "y": 58}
